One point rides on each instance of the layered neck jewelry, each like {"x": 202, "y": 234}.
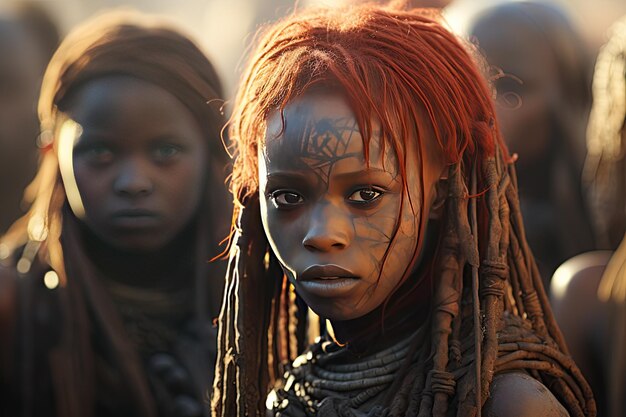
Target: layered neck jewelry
{"x": 328, "y": 380}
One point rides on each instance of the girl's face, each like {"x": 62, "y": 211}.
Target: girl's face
{"x": 329, "y": 215}
{"x": 138, "y": 162}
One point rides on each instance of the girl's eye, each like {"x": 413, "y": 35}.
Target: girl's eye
{"x": 99, "y": 154}
{"x": 286, "y": 199}
{"x": 165, "y": 152}
{"x": 365, "y": 195}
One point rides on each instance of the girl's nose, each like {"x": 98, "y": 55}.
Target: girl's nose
{"x": 133, "y": 180}
{"x": 330, "y": 228}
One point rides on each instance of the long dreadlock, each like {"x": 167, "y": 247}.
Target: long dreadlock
{"x": 490, "y": 312}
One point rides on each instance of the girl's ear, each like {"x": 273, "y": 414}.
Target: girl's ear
{"x": 439, "y": 201}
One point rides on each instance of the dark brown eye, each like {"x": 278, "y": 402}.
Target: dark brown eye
{"x": 286, "y": 198}
{"x": 97, "y": 154}
{"x": 165, "y": 152}
{"x": 364, "y": 195}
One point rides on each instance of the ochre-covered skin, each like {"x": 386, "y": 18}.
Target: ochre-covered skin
{"x": 520, "y": 395}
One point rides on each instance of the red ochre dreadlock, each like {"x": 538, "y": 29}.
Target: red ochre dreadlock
{"x": 490, "y": 312}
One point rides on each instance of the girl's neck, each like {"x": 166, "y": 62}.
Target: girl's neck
{"x": 405, "y": 311}
{"x": 166, "y": 267}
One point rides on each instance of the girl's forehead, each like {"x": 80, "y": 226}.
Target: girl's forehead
{"x": 310, "y": 107}
{"x": 320, "y": 129}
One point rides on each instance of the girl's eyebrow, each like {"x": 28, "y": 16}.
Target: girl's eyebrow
{"x": 165, "y": 138}
{"x": 363, "y": 173}
{"x": 292, "y": 178}
{"x": 278, "y": 175}
{"x": 92, "y": 134}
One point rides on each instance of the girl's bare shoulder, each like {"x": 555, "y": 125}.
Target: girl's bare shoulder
{"x": 516, "y": 394}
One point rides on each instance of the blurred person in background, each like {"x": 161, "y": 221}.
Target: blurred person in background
{"x": 41, "y": 25}
{"x": 437, "y": 4}
{"x": 28, "y": 37}
{"x": 589, "y": 290}
{"x": 106, "y": 291}
{"x": 541, "y": 72}
{"x": 605, "y": 168}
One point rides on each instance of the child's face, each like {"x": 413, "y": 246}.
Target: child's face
{"x": 139, "y": 163}
{"x": 329, "y": 217}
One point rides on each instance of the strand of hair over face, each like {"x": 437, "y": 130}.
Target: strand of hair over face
{"x": 490, "y": 312}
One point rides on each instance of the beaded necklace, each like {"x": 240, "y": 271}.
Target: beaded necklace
{"x": 326, "y": 380}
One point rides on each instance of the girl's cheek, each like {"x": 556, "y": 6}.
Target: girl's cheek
{"x": 377, "y": 228}
{"x": 373, "y": 232}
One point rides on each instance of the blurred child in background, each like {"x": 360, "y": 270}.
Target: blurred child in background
{"x": 107, "y": 291}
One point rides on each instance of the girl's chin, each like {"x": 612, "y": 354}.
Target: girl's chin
{"x": 340, "y": 310}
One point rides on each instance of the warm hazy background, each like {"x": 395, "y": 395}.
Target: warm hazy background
{"x": 225, "y": 27}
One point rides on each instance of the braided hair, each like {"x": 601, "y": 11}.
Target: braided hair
{"x": 489, "y": 310}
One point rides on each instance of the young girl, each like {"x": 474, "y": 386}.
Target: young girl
{"x": 108, "y": 293}
{"x": 371, "y": 178}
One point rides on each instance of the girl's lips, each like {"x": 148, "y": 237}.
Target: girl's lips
{"x": 134, "y": 212}
{"x": 135, "y": 219}
{"x": 328, "y": 286}
{"x": 329, "y": 271}
{"x": 327, "y": 280}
